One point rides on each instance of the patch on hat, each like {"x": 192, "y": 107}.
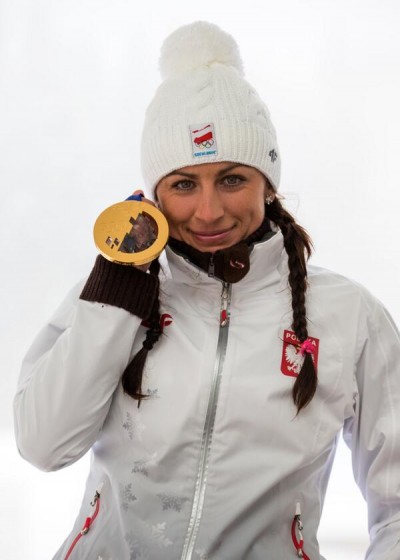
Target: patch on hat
{"x": 293, "y": 356}
{"x": 203, "y": 140}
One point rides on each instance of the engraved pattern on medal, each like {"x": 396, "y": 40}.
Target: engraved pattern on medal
{"x": 141, "y": 235}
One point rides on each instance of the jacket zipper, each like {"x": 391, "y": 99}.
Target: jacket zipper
{"x": 211, "y": 266}
{"x": 88, "y": 521}
{"x": 201, "y": 481}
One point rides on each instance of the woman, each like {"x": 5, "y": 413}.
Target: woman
{"x": 212, "y": 398}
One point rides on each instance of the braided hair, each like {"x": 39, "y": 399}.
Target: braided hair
{"x": 133, "y": 374}
{"x": 298, "y": 247}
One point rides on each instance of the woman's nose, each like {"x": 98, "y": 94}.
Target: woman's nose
{"x": 209, "y": 206}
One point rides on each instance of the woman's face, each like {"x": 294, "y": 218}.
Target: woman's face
{"x": 213, "y": 205}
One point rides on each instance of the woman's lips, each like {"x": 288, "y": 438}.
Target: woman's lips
{"x": 212, "y": 236}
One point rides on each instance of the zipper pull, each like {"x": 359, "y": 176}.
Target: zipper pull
{"x": 298, "y": 516}
{"x": 211, "y": 266}
{"x": 97, "y": 494}
{"x": 86, "y": 526}
{"x": 224, "y": 315}
{"x": 297, "y": 535}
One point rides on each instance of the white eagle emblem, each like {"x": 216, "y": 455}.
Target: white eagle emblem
{"x": 293, "y": 352}
{"x": 294, "y": 359}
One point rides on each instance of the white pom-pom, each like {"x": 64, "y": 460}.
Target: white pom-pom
{"x": 197, "y": 45}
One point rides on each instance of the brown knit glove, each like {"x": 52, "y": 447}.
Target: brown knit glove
{"x": 122, "y": 286}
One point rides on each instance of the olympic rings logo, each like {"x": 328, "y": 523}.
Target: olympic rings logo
{"x": 207, "y": 144}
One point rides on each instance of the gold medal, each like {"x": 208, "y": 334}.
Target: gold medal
{"x": 131, "y": 232}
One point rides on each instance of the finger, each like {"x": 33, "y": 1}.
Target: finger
{"x": 144, "y": 199}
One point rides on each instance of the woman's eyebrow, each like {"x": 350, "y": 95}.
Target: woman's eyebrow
{"x": 194, "y": 176}
{"x": 230, "y": 168}
{"x": 177, "y": 172}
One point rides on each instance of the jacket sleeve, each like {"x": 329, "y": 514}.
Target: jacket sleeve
{"x": 373, "y": 434}
{"x": 74, "y": 366}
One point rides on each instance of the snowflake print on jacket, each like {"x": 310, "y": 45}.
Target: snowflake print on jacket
{"x": 145, "y": 544}
{"x": 172, "y": 502}
{"x": 134, "y": 426}
{"x": 126, "y": 495}
{"x": 141, "y": 466}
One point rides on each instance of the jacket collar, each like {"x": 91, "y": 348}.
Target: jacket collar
{"x": 230, "y": 264}
{"x": 268, "y": 266}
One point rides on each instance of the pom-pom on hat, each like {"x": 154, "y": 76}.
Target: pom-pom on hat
{"x": 205, "y": 111}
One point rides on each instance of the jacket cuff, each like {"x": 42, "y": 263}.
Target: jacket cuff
{"x": 122, "y": 286}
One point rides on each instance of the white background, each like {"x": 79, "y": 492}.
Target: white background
{"x": 76, "y": 77}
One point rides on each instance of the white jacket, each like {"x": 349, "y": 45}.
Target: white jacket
{"x": 214, "y": 463}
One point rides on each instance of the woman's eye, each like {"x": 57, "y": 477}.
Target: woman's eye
{"x": 184, "y": 185}
{"x": 232, "y": 180}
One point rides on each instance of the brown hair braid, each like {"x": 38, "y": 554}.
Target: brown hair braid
{"x": 298, "y": 246}
{"x": 133, "y": 374}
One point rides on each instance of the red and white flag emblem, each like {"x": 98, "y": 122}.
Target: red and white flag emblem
{"x": 292, "y": 355}
{"x": 203, "y": 140}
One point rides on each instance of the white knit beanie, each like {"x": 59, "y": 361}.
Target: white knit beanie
{"x": 204, "y": 110}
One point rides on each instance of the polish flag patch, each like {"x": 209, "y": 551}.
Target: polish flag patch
{"x": 292, "y": 356}
{"x": 204, "y": 142}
